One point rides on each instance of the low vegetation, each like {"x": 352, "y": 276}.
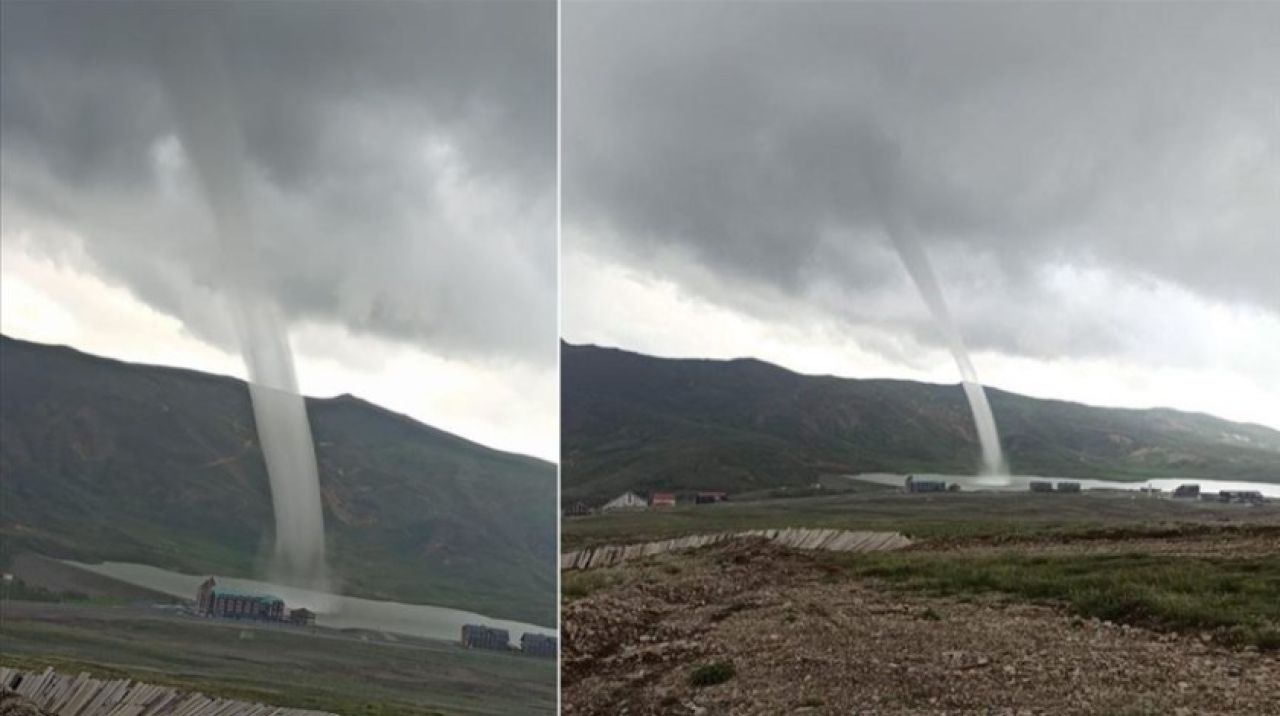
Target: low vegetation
{"x": 1235, "y": 598}
{"x": 576, "y": 585}
{"x": 711, "y": 674}
{"x": 324, "y": 670}
{"x": 966, "y": 514}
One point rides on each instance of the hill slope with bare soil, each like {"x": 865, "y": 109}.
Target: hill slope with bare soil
{"x": 750, "y": 628}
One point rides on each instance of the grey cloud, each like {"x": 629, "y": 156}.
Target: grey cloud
{"x": 402, "y": 160}
{"x": 754, "y": 139}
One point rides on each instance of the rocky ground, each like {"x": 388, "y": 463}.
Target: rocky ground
{"x": 12, "y": 704}
{"x": 803, "y": 638}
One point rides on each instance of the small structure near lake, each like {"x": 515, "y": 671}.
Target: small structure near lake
{"x": 538, "y": 645}
{"x": 1189, "y": 490}
{"x": 914, "y": 485}
{"x": 475, "y": 636}
{"x": 625, "y": 501}
{"x": 1246, "y": 497}
{"x": 302, "y": 617}
{"x": 214, "y": 601}
{"x": 663, "y": 499}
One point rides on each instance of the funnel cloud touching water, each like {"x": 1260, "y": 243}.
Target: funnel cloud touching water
{"x": 903, "y": 234}
{"x": 204, "y": 112}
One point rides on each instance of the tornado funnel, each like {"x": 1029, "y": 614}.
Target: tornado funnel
{"x": 199, "y": 93}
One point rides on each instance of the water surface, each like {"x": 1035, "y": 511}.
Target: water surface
{"x": 335, "y": 611}
{"x": 1021, "y": 483}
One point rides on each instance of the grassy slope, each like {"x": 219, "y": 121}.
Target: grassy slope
{"x": 279, "y": 666}
{"x": 636, "y": 422}
{"x": 1236, "y": 595}
{"x": 104, "y": 460}
{"x": 971, "y": 513}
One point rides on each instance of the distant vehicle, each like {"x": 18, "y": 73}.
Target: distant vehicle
{"x": 1189, "y": 490}
{"x": 1041, "y": 486}
{"x": 1068, "y": 487}
{"x": 706, "y": 498}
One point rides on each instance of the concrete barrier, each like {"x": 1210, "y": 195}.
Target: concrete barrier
{"x": 827, "y": 540}
{"x": 86, "y": 696}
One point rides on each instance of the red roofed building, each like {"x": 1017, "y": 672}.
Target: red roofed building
{"x": 663, "y": 499}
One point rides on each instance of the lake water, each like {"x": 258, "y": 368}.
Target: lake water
{"x": 335, "y": 611}
{"x": 1021, "y": 483}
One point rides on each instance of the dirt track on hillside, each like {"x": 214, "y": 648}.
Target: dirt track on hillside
{"x": 803, "y": 639}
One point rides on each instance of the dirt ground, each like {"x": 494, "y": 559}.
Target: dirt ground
{"x": 803, "y": 639}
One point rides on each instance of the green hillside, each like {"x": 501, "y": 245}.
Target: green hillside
{"x": 634, "y": 422}
{"x": 103, "y": 460}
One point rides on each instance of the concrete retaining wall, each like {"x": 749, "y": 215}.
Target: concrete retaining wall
{"x": 85, "y": 696}
{"x": 795, "y": 538}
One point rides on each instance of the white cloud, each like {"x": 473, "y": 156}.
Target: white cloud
{"x": 509, "y": 405}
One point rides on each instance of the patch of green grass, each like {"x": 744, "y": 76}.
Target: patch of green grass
{"x": 320, "y": 670}
{"x": 578, "y": 584}
{"x": 711, "y": 674}
{"x": 1236, "y": 598}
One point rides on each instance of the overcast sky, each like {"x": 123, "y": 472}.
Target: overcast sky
{"x": 1098, "y": 187}
{"x": 401, "y": 174}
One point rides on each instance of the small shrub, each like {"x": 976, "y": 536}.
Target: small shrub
{"x": 712, "y": 674}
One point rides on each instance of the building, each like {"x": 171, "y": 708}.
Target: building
{"x": 475, "y": 636}
{"x": 706, "y": 498}
{"x": 914, "y": 485}
{"x": 1247, "y": 497}
{"x": 538, "y": 645}
{"x": 1041, "y": 486}
{"x": 625, "y": 501}
{"x": 1190, "y": 490}
{"x": 663, "y": 499}
{"x": 214, "y": 601}
{"x": 577, "y": 509}
{"x": 302, "y": 617}
{"x": 1068, "y": 487}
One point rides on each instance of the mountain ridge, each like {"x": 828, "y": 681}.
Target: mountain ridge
{"x": 104, "y": 459}
{"x": 745, "y": 424}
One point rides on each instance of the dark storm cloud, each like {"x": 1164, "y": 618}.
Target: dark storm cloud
{"x": 1029, "y": 142}
{"x": 402, "y": 160}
